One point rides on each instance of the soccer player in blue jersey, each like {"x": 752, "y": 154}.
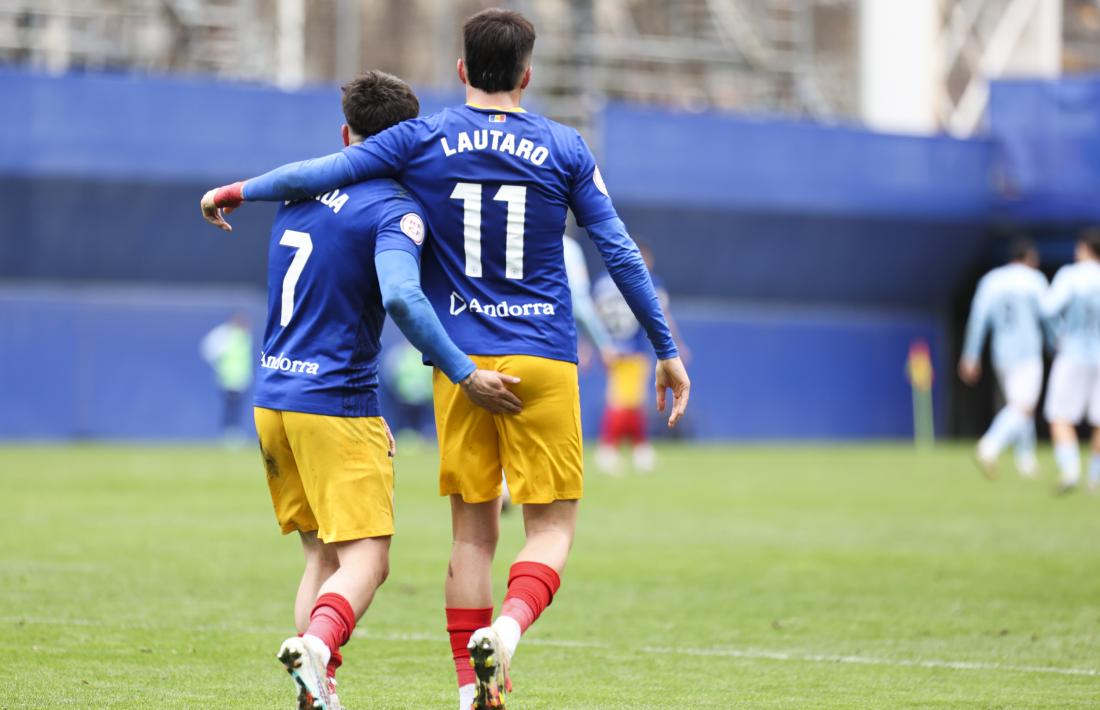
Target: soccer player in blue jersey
{"x": 497, "y": 182}
{"x": 334, "y": 262}
{"x": 1007, "y": 303}
{"x": 1073, "y": 391}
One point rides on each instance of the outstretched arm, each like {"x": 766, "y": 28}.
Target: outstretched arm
{"x": 380, "y": 156}
{"x": 405, "y": 302}
{"x": 628, "y": 271}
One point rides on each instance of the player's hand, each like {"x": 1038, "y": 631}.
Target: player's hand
{"x": 584, "y": 355}
{"x": 672, "y": 375}
{"x": 489, "y": 389}
{"x": 219, "y": 202}
{"x": 389, "y": 438}
{"x": 970, "y": 371}
{"x": 608, "y": 355}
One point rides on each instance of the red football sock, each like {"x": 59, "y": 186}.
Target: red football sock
{"x": 335, "y": 661}
{"x": 531, "y": 588}
{"x": 332, "y": 621}
{"x": 461, "y": 625}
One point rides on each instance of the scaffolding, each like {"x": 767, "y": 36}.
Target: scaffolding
{"x": 792, "y": 57}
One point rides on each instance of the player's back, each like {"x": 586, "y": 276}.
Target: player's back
{"x": 497, "y": 186}
{"x": 325, "y": 312}
{"x": 1074, "y": 303}
{"x": 1012, "y": 296}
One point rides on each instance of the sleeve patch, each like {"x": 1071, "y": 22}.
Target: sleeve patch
{"x": 598, "y": 180}
{"x": 413, "y": 227}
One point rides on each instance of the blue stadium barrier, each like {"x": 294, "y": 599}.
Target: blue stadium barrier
{"x": 846, "y": 243}
{"x": 123, "y": 363}
{"x": 716, "y": 196}
{"x": 1047, "y": 134}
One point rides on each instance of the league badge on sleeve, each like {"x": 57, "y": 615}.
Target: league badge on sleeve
{"x": 413, "y": 227}
{"x": 598, "y": 179}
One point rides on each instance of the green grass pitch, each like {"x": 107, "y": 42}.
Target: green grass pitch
{"x": 735, "y": 577}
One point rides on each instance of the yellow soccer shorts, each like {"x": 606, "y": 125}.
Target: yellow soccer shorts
{"x": 329, "y": 474}
{"x": 539, "y": 449}
{"x": 628, "y": 379}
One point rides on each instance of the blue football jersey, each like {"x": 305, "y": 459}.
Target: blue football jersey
{"x": 627, "y": 335}
{"x": 496, "y": 187}
{"x": 325, "y": 313}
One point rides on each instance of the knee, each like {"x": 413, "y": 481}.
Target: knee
{"x": 482, "y": 542}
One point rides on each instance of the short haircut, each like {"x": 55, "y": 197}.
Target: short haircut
{"x": 1020, "y": 248}
{"x": 1091, "y": 239}
{"x": 497, "y": 44}
{"x": 375, "y": 100}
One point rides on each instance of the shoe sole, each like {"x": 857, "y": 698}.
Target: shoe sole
{"x": 307, "y": 699}
{"x": 489, "y": 695}
{"x": 987, "y": 469}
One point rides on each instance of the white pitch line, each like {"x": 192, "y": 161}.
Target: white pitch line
{"x": 755, "y": 654}
{"x": 717, "y": 652}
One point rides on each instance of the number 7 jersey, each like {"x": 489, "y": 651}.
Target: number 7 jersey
{"x": 496, "y": 186}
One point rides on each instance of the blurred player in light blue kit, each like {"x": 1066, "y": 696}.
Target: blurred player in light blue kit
{"x": 1073, "y": 307}
{"x": 1008, "y": 303}
{"x": 584, "y": 308}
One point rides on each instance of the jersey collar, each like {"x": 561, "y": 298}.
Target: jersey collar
{"x": 517, "y": 109}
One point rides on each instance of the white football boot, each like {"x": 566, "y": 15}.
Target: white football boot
{"x": 490, "y": 659}
{"x": 306, "y": 660}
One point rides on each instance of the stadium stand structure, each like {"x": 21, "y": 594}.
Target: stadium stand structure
{"x": 804, "y": 258}
{"x": 795, "y": 57}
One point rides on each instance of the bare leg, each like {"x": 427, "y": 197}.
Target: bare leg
{"x": 325, "y": 623}
{"x": 321, "y": 563}
{"x": 1063, "y": 433}
{"x": 1066, "y": 453}
{"x": 476, "y": 530}
{"x": 364, "y": 566}
{"x": 550, "y": 529}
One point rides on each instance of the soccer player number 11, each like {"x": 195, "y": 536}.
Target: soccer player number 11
{"x": 516, "y": 197}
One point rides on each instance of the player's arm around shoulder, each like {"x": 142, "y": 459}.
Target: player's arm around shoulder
{"x": 397, "y": 263}
{"x": 380, "y": 155}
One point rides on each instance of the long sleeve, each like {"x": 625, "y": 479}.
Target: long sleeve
{"x": 978, "y": 324}
{"x": 628, "y": 271}
{"x": 580, "y": 289}
{"x": 399, "y": 281}
{"x": 297, "y": 181}
{"x": 381, "y": 155}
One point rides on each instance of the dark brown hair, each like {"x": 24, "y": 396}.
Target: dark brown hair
{"x": 498, "y": 45}
{"x": 374, "y": 101}
{"x": 1020, "y": 248}
{"x": 1091, "y": 239}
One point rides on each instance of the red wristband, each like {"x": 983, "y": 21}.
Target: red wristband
{"x": 230, "y": 195}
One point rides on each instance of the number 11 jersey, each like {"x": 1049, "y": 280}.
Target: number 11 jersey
{"x": 496, "y": 186}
